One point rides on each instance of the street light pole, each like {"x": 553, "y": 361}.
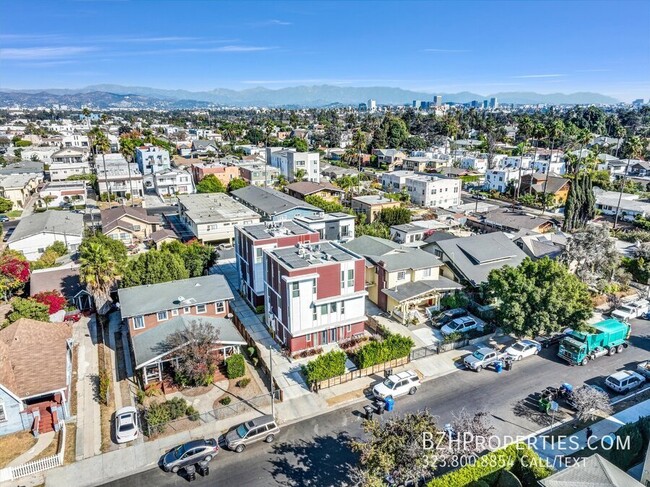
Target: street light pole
{"x": 272, "y": 388}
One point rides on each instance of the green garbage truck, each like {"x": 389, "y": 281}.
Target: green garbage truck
{"x": 609, "y": 337}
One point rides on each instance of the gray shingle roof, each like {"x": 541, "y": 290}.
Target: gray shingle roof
{"x": 371, "y": 246}
{"x": 593, "y": 471}
{"x": 152, "y": 343}
{"x": 270, "y": 201}
{"x": 51, "y": 221}
{"x": 144, "y": 300}
{"x": 474, "y": 257}
{"x": 414, "y": 289}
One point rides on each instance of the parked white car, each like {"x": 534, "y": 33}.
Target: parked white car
{"x": 459, "y": 325}
{"x": 523, "y": 348}
{"x": 624, "y": 381}
{"x": 126, "y": 424}
{"x": 631, "y": 310}
{"x": 406, "y": 382}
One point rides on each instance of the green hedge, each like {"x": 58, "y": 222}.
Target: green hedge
{"x": 487, "y": 469}
{"x": 392, "y": 347}
{"x": 235, "y": 366}
{"x": 326, "y": 366}
{"x": 639, "y": 437}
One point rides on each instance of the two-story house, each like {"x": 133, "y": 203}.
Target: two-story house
{"x": 173, "y": 182}
{"x": 371, "y": 205}
{"x": 152, "y": 159}
{"x": 293, "y": 164}
{"x": 401, "y": 280}
{"x": 156, "y": 311}
{"x": 129, "y": 224}
{"x": 250, "y": 243}
{"x": 72, "y": 161}
{"x": 336, "y": 226}
{"x": 314, "y": 294}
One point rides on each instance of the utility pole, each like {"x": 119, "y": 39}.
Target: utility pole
{"x": 272, "y": 388}
{"x": 620, "y": 193}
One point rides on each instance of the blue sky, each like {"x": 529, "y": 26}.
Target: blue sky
{"x": 437, "y": 46}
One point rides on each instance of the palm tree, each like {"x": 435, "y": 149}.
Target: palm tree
{"x": 100, "y": 143}
{"x": 300, "y": 174}
{"x": 98, "y": 271}
{"x": 359, "y": 144}
{"x": 583, "y": 138}
{"x": 634, "y": 148}
{"x": 555, "y": 132}
{"x": 522, "y": 148}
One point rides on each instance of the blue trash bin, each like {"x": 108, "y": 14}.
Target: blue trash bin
{"x": 390, "y": 403}
{"x": 498, "y": 366}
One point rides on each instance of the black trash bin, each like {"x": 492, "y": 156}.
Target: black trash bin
{"x": 381, "y": 405}
{"x": 190, "y": 473}
{"x": 368, "y": 410}
{"x": 387, "y": 373}
{"x": 203, "y": 468}
{"x": 508, "y": 364}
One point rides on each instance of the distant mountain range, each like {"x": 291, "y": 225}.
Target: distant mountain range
{"x": 117, "y": 96}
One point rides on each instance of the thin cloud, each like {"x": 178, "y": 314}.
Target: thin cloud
{"x": 271, "y": 22}
{"x": 226, "y": 49}
{"x": 526, "y": 76}
{"x": 445, "y": 50}
{"x": 30, "y": 53}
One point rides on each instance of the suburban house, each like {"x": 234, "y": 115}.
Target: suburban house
{"x": 512, "y": 220}
{"x": 129, "y": 224}
{"x": 390, "y": 157}
{"x": 400, "y": 280}
{"x": 640, "y": 168}
{"x": 258, "y": 174}
{"x": 211, "y": 217}
{"x": 250, "y": 243}
{"x": 470, "y": 259}
{"x": 502, "y": 179}
{"x": 33, "y": 398}
{"x": 35, "y": 232}
{"x": 630, "y": 206}
{"x": 324, "y": 190}
{"x": 17, "y": 188}
{"x": 222, "y": 172}
{"x": 591, "y": 471}
{"x": 201, "y": 148}
{"x": 173, "y": 182}
{"x": 289, "y": 162}
{"x": 336, "y": 226}
{"x": 371, "y": 205}
{"x": 75, "y": 140}
{"x": 154, "y": 312}
{"x": 63, "y": 193}
{"x": 478, "y": 164}
{"x": 71, "y": 161}
{"x": 64, "y": 279}
{"x": 408, "y": 234}
{"x": 557, "y": 186}
{"x": 538, "y": 246}
{"x": 152, "y": 159}
{"x": 272, "y": 204}
{"x": 314, "y": 294}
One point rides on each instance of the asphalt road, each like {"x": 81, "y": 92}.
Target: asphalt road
{"x": 314, "y": 452}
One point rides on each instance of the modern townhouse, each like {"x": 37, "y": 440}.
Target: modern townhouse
{"x": 336, "y": 226}
{"x": 76, "y": 140}
{"x": 474, "y": 163}
{"x": 250, "y": 243}
{"x": 211, "y": 217}
{"x": 314, "y": 294}
{"x": 120, "y": 180}
{"x": 434, "y": 191}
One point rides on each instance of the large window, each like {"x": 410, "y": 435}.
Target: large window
{"x": 220, "y": 307}
{"x": 200, "y": 308}
{"x": 258, "y": 256}
{"x": 138, "y": 322}
{"x": 332, "y": 307}
{"x": 162, "y": 315}
{"x": 350, "y": 277}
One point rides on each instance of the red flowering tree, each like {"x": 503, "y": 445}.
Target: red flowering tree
{"x": 14, "y": 272}
{"x": 53, "y": 299}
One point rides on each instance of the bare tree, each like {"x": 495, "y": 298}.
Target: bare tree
{"x": 468, "y": 434}
{"x": 194, "y": 347}
{"x": 588, "y": 401}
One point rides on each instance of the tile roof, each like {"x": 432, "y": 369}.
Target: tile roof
{"x": 151, "y": 298}
{"x": 151, "y": 344}
{"x": 26, "y": 347}
{"x": 51, "y": 221}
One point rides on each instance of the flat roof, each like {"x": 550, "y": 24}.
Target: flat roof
{"x": 312, "y": 255}
{"x": 267, "y": 230}
{"x": 214, "y": 207}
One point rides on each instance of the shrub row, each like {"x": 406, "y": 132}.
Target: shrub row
{"x": 328, "y": 365}
{"x": 158, "y": 414}
{"x": 519, "y": 458}
{"x": 394, "y": 346}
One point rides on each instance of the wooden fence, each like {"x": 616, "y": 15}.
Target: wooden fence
{"x": 355, "y": 374}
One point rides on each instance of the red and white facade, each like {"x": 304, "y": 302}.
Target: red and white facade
{"x": 250, "y": 243}
{"x": 314, "y": 294}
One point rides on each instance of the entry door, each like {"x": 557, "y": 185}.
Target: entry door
{"x": 333, "y": 335}
{"x": 323, "y": 337}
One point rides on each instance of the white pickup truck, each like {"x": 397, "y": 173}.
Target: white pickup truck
{"x": 482, "y": 358}
{"x": 630, "y": 310}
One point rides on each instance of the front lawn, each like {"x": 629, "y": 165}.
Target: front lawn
{"x": 13, "y": 445}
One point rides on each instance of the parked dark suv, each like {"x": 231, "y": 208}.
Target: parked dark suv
{"x": 189, "y": 453}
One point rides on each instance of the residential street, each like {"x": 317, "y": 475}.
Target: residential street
{"x": 313, "y": 452}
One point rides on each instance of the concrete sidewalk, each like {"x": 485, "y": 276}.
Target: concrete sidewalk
{"x": 555, "y": 450}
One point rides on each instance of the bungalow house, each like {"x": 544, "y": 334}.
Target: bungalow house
{"x": 470, "y": 259}
{"x": 512, "y": 220}
{"x": 391, "y": 157}
{"x": 128, "y": 224}
{"x": 324, "y": 190}
{"x": 35, "y": 376}
{"x": 154, "y": 312}
{"x": 639, "y": 168}
{"x": 401, "y": 280}
{"x": 556, "y": 185}
{"x": 538, "y": 246}
{"x": 64, "y": 279}
{"x": 202, "y": 148}
{"x": 36, "y": 232}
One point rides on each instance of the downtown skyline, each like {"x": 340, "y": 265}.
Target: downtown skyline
{"x": 434, "y": 47}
